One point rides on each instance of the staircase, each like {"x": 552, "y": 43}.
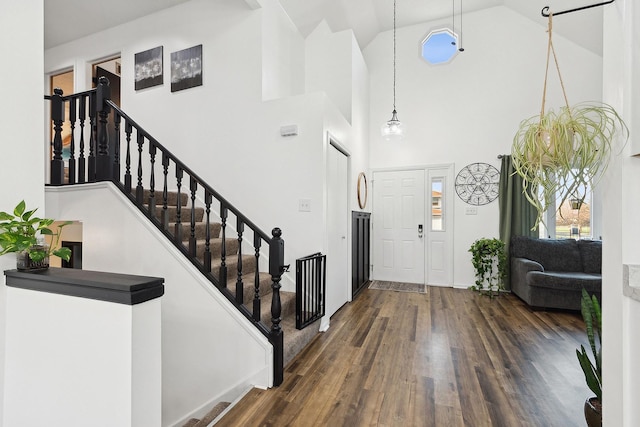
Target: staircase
{"x": 236, "y": 256}
{"x": 294, "y": 340}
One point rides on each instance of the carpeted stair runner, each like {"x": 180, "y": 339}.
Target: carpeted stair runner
{"x": 294, "y": 340}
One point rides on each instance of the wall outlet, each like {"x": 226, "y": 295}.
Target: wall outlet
{"x": 470, "y": 211}
{"x": 304, "y": 205}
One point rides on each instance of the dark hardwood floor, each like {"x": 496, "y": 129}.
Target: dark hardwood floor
{"x": 446, "y": 358}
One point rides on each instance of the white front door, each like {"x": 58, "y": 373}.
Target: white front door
{"x": 338, "y": 278}
{"x": 398, "y": 226}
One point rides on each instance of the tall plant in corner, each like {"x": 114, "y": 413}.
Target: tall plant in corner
{"x": 592, "y": 367}
{"x": 560, "y": 152}
{"x": 490, "y": 264}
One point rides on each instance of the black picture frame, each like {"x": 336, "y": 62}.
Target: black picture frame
{"x": 149, "y": 70}
{"x": 186, "y": 68}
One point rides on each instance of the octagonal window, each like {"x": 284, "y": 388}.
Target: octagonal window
{"x": 440, "y": 46}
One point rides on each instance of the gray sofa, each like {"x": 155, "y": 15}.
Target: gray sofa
{"x": 548, "y": 273}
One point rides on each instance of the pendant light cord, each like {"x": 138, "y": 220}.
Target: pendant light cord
{"x": 394, "y": 56}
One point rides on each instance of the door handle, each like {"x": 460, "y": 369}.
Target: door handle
{"x": 420, "y": 231}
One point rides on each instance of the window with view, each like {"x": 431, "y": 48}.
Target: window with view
{"x": 573, "y": 219}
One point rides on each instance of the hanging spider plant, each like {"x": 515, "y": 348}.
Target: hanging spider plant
{"x": 558, "y": 153}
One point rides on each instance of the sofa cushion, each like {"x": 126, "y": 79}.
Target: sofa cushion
{"x": 591, "y": 254}
{"x": 565, "y": 281}
{"x": 554, "y": 255}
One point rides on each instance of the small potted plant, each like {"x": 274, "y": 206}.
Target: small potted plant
{"x": 490, "y": 263}
{"x": 592, "y": 368}
{"x": 24, "y": 233}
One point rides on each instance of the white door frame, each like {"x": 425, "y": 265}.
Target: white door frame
{"x": 427, "y": 224}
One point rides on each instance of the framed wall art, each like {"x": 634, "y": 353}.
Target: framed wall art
{"x": 186, "y": 68}
{"x": 148, "y": 68}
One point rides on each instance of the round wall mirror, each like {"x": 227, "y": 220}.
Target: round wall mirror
{"x": 362, "y": 190}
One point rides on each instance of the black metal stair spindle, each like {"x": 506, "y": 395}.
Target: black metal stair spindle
{"x": 223, "y": 245}
{"x": 115, "y": 174}
{"x": 239, "y": 284}
{"x": 127, "y": 161}
{"x": 139, "y": 187}
{"x": 178, "y": 227}
{"x": 57, "y": 117}
{"x": 164, "y": 216}
{"x": 207, "y": 244}
{"x": 152, "y": 180}
{"x": 72, "y": 143}
{"x": 92, "y": 138}
{"x": 193, "y": 186}
{"x": 257, "y": 241}
{"x": 82, "y": 111}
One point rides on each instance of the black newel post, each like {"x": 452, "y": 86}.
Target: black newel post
{"x": 276, "y": 337}
{"x": 104, "y": 165}
{"x": 57, "y": 117}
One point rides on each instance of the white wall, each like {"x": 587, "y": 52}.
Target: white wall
{"x": 223, "y": 130}
{"x": 468, "y": 111}
{"x": 209, "y": 351}
{"x": 621, "y": 229}
{"x": 21, "y": 32}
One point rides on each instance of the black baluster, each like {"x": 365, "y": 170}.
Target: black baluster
{"x": 92, "y": 138}
{"x": 276, "y": 337}
{"x": 257, "y": 241}
{"x": 164, "y": 217}
{"x": 152, "y": 180}
{"x": 223, "y": 245}
{"x": 72, "y": 146}
{"x": 82, "y": 111}
{"x": 178, "y": 228}
{"x": 116, "y": 148}
{"x": 239, "y": 284}
{"x": 207, "y": 239}
{"x": 139, "y": 187}
{"x": 127, "y": 174}
{"x": 57, "y": 117}
{"x": 104, "y": 167}
{"x": 193, "y": 186}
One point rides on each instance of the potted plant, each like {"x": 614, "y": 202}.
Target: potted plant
{"x": 490, "y": 263}
{"x": 592, "y": 368}
{"x": 557, "y": 153}
{"x": 24, "y": 233}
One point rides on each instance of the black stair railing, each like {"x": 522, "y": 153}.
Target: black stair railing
{"x": 183, "y": 206}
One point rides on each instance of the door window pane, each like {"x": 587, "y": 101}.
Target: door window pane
{"x": 437, "y": 205}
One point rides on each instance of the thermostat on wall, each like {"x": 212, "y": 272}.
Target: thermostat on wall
{"x": 290, "y": 130}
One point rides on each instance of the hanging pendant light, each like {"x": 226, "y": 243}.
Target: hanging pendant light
{"x": 393, "y": 130}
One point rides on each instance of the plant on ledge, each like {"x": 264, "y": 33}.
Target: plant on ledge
{"x": 558, "y": 153}
{"x": 21, "y": 231}
{"x": 490, "y": 263}
{"x": 592, "y": 369}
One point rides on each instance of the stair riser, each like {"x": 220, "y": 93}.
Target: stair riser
{"x": 172, "y": 197}
{"x": 200, "y": 230}
{"x": 185, "y": 214}
{"x": 215, "y": 247}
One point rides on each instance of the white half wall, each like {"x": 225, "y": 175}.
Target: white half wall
{"x": 22, "y": 35}
{"x": 210, "y": 352}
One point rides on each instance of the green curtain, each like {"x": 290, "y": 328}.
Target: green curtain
{"x": 517, "y": 215}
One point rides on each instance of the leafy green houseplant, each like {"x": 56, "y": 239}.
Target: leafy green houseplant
{"x": 20, "y": 233}
{"x": 592, "y": 367}
{"x": 490, "y": 263}
{"x": 559, "y": 153}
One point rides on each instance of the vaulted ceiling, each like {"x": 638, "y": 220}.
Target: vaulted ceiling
{"x": 366, "y": 18}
